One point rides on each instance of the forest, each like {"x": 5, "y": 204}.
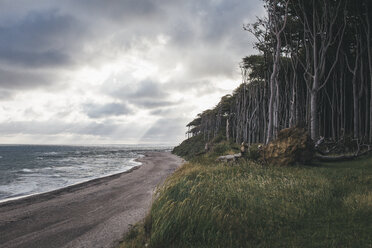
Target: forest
{"x": 309, "y": 86}
{"x": 313, "y": 69}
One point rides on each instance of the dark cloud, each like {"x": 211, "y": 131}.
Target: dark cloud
{"x": 148, "y": 89}
{"x": 35, "y": 58}
{"x": 40, "y": 39}
{"x": 152, "y": 103}
{"x": 43, "y": 41}
{"x": 119, "y": 10}
{"x": 20, "y": 80}
{"x": 106, "y": 110}
{"x": 203, "y": 34}
{"x": 106, "y": 128}
{"x": 160, "y": 112}
{"x": 144, "y": 94}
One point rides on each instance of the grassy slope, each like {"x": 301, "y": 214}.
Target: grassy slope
{"x": 194, "y": 147}
{"x": 191, "y": 147}
{"x": 214, "y": 205}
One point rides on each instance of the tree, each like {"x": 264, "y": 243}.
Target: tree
{"x": 277, "y": 23}
{"x": 324, "y": 26}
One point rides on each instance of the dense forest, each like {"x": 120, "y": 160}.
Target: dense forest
{"x": 313, "y": 69}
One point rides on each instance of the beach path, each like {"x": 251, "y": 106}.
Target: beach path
{"x": 92, "y": 214}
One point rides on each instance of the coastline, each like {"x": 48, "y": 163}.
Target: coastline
{"x": 71, "y": 187}
{"x": 95, "y": 213}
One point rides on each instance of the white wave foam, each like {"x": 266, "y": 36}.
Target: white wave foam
{"x": 51, "y": 153}
{"x": 56, "y": 172}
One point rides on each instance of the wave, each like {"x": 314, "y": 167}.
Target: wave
{"x": 36, "y": 169}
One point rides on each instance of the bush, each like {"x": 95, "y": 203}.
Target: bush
{"x": 220, "y": 149}
{"x": 219, "y": 138}
{"x": 293, "y": 145}
{"x": 254, "y": 151}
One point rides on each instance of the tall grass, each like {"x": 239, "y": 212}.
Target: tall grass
{"x": 247, "y": 205}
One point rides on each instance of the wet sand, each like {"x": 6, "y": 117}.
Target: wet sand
{"x": 92, "y": 214}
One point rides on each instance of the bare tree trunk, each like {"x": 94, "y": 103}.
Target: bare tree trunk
{"x": 277, "y": 105}
{"x": 276, "y": 30}
{"x": 227, "y": 129}
{"x": 369, "y": 51}
{"x": 353, "y": 70}
{"x": 273, "y": 88}
{"x": 356, "y": 111}
{"x": 314, "y": 120}
{"x": 320, "y": 36}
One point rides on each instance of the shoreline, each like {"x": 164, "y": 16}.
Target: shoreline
{"x": 82, "y": 184}
{"x": 95, "y": 213}
{"x": 23, "y": 197}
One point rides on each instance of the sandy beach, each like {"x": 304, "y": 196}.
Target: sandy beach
{"x": 92, "y": 214}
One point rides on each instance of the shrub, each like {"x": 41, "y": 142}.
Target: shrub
{"x": 253, "y": 151}
{"x": 293, "y": 145}
{"x": 220, "y": 149}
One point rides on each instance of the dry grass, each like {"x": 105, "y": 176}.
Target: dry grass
{"x": 213, "y": 205}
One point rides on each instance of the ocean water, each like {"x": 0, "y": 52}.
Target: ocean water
{"x": 33, "y": 169}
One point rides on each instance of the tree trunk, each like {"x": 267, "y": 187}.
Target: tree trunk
{"x": 227, "y": 129}
{"x": 355, "y": 110}
{"x": 314, "y": 120}
{"x": 370, "y": 71}
{"x": 270, "y": 127}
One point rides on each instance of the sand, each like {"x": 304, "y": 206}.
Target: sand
{"x": 92, "y": 214}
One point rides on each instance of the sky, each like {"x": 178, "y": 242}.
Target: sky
{"x": 116, "y": 71}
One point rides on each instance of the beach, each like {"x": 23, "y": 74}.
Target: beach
{"x": 96, "y": 213}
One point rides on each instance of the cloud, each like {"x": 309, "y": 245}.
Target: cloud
{"x": 120, "y": 11}
{"x": 55, "y": 127}
{"x": 195, "y": 87}
{"x": 21, "y": 79}
{"x": 5, "y": 95}
{"x": 148, "y": 89}
{"x": 164, "y": 128}
{"x": 40, "y": 39}
{"x": 164, "y": 59}
{"x": 32, "y": 127}
{"x": 144, "y": 89}
{"x": 146, "y": 94}
{"x": 106, "y": 110}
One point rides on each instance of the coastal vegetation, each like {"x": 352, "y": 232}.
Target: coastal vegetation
{"x": 307, "y": 91}
{"x": 313, "y": 70}
{"x": 208, "y": 204}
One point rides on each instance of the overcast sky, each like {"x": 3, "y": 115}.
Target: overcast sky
{"x": 116, "y": 71}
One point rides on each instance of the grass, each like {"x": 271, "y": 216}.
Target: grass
{"x": 194, "y": 147}
{"x": 204, "y": 204}
{"x": 191, "y": 147}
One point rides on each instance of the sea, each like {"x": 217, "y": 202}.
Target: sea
{"x": 34, "y": 169}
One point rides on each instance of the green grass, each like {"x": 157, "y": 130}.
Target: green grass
{"x": 247, "y": 205}
{"x": 191, "y": 147}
